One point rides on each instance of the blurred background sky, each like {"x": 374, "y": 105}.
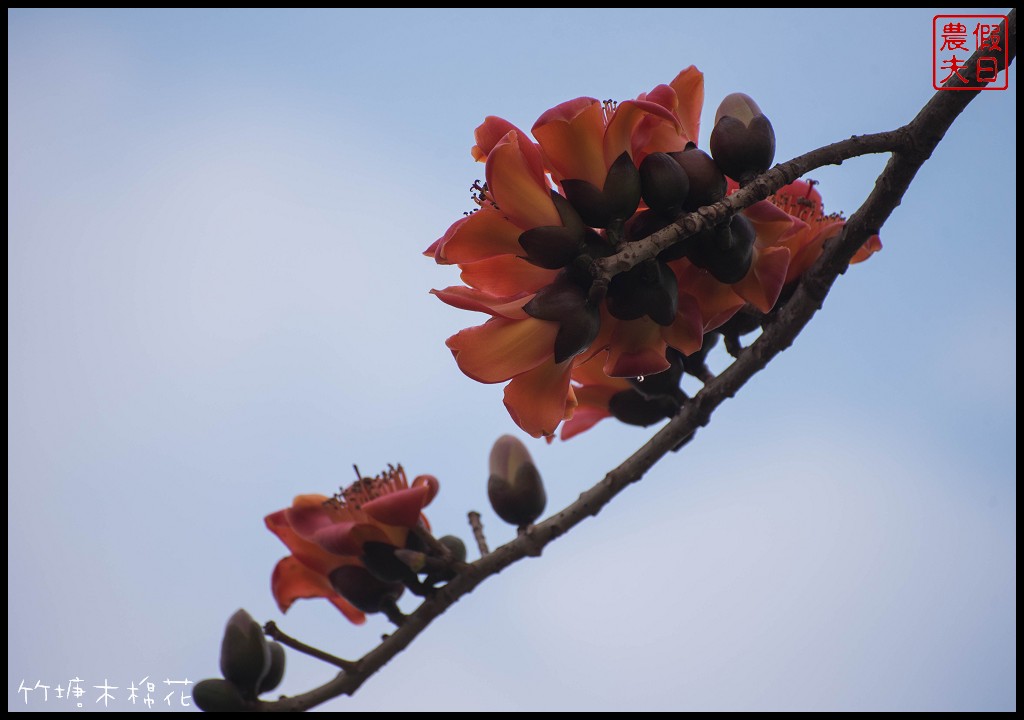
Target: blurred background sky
{"x": 217, "y": 301}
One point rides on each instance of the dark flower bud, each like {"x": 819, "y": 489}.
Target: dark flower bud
{"x": 616, "y": 201}
{"x": 217, "y": 695}
{"x": 664, "y": 183}
{"x": 728, "y": 251}
{"x": 650, "y": 289}
{"x": 379, "y": 558}
{"x": 630, "y": 406}
{"x": 743, "y": 141}
{"x": 622, "y": 188}
{"x": 244, "y": 655}
{"x": 588, "y": 201}
{"x": 359, "y": 587}
{"x": 455, "y": 546}
{"x": 552, "y": 247}
{"x": 275, "y": 673}
{"x": 514, "y": 488}
{"x": 707, "y": 183}
{"x": 566, "y": 303}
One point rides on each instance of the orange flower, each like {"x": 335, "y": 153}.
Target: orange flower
{"x": 598, "y": 176}
{"x": 801, "y": 200}
{"x": 326, "y": 537}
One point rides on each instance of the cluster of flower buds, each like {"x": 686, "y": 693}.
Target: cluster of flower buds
{"x": 251, "y": 665}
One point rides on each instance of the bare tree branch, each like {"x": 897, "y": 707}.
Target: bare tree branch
{"x": 911, "y": 145}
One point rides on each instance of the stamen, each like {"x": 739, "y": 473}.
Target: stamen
{"x": 366, "y": 489}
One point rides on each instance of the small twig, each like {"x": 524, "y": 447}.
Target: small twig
{"x": 273, "y": 631}
{"x": 478, "y": 532}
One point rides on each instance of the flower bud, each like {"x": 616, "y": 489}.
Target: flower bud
{"x": 630, "y": 406}
{"x": 455, "y": 546}
{"x": 649, "y": 288}
{"x": 359, "y": 587}
{"x": 244, "y": 655}
{"x": 553, "y": 247}
{"x": 664, "y": 183}
{"x": 515, "y": 489}
{"x": 217, "y": 695}
{"x": 743, "y": 141}
{"x": 707, "y": 183}
{"x": 565, "y": 302}
{"x": 617, "y": 200}
{"x": 275, "y": 673}
{"x": 380, "y": 559}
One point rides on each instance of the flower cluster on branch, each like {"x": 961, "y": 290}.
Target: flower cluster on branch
{"x": 595, "y": 177}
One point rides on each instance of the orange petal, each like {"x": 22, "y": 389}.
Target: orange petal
{"x": 764, "y": 281}
{"x": 872, "y": 245}
{"x": 771, "y": 224}
{"x": 432, "y": 484}
{"x": 484, "y": 234}
{"x": 346, "y": 539}
{"x": 308, "y": 514}
{"x": 305, "y": 551}
{"x": 637, "y": 348}
{"x": 686, "y": 333}
{"x": 293, "y": 581}
{"x": 491, "y": 132}
{"x": 592, "y": 373}
{"x": 618, "y": 138}
{"x": 512, "y": 181}
{"x": 689, "y": 87}
{"x": 501, "y": 349}
{"x": 571, "y": 136}
{"x": 465, "y": 298}
{"x": 401, "y": 508}
{"x": 717, "y": 300}
{"x": 592, "y": 405}
{"x": 540, "y": 399}
{"x": 506, "y": 275}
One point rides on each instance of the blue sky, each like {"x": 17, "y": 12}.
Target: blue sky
{"x": 217, "y": 301}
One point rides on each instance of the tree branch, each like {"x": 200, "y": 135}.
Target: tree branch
{"x": 911, "y": 146}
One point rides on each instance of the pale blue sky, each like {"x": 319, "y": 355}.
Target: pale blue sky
{"x": 217, "y": 301}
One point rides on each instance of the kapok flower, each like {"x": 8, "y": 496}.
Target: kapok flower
{"x": 328, "y": 538}
{"x": 801, "y": 200}
{"x": 549, "y": 209}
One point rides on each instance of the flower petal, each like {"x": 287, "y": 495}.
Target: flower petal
{"x": 718, "y": 302}
{"x": 484, "y": 234}
{"x": 305, "y": 551}
{"x": 618, "y": 138}
{"x": 345, "y": 539}
{"x": 636, "y": 348}
{"x": 401, "y": 508}
{"x": 292, "y": 581}
{"x": 764, "y": 281}
{"x": 686, "y": 333}
{"x": 465, "y": 298}
{"x": 506, "y": 275}
{"x": 512, "y": 182}
{"x": 493, "y": 130}
{"x": 872, "y": 245}
{"x": 501, "y": 349}
{"x": 571, "y": 137}
{"x": 540, "y": 399}
{"x": 689, "y": 87}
